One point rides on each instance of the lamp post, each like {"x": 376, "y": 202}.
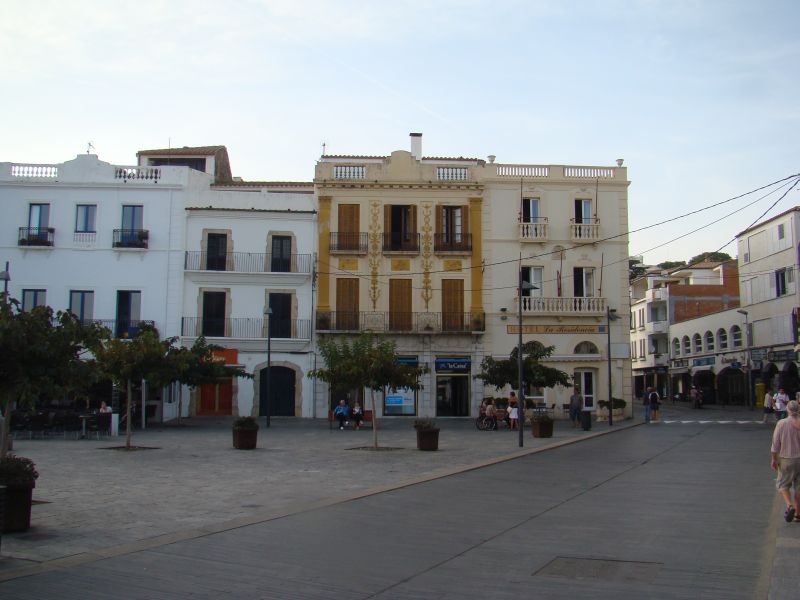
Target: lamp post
{"x": 747, "y": 350}
{"x": 611, "y": 315}
{"x": 6, "y": 277}
{"x": 267, "y": 319}
{"x": 523, "y": 285}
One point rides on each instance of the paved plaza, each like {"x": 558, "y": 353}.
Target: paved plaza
{"x": 635, "y": 500}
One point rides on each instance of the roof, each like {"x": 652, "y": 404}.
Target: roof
{"x": 184, "y": 151}
{"x": 365, "y": 157}
{"x": 239, "y": 183}
{"x": 253, "y": 210}
{"x": 762, "y": 223}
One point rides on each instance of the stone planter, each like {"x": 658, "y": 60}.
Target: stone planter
{"x": 17, "y": 507}
{"x": 427, "y": 439}
{"x": 245, "y": 439}
{"x": 542, "y": 429}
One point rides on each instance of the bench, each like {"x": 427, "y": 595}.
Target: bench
{"x": 331, "y": 419}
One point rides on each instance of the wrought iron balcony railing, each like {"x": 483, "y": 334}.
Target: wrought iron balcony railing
{"x": 247, "y": 328}
{"x": 248, "y": 262}
{"x": 131, "y": 238}
{"x": 401, "y": 322}
{"x": 347, "y": 242}
{"x": 449, "y": 242}
{"x": 36, "y": 236}
{"x": 123, "y": 328}
{"x": 400, "y": 242}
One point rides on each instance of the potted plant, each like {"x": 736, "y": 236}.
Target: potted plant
{"x": 427, "y": 434}
{"x": 542, "y": 424}
{"x": 617, "y": 405}
{"x": 18, "y": 474}
{"x": 245, "y": 433}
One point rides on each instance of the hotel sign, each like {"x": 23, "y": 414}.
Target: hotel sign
{"x": 556, "y": 329}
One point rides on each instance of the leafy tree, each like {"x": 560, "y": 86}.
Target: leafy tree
{"x": 43, "y": 355}
{"x": 711, "y": 257}
{"x": 671, "y": 264}
{"x": 635, "y": 269}
{"x": 367, "y": 361}
{"x": 501, "y": 373}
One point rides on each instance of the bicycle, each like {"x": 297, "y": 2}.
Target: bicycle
{"x": 484, "y": 423}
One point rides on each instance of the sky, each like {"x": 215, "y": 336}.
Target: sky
{"x": 700, "y": 98}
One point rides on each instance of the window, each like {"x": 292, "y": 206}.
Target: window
{"x": 698, "y": 344}
{"x": 676, "y": 347}
{"x": 641, "y": 348}
{"x": 583, "y": 282}
{"x": 633, "y": 320}
{"x": 81, "y": 304}
{"x": 132, "y": 216}
{"x": 584, "y": 381}
{"x": 33, "y": 298}
{"x": 586, "y": 348}
{"x": 281, "y": 254}
{"x": 85, "y": 217}
{"x": 453, "y": 222}
{"x": 687, "y": 349}
{"x": 722, "y": 339}
{"x": 216, "y": 252}
{"x": 709, "y": 341}
{"x": 783, "y": 277}
{"x": 633, "y": 350}
{"x": 736, "y": 334}
{"x": 452, "y": 229}
{"x": 781, "y": 231}
{"x": 280, "y": 321}
{"x": 532, "y": 275}
{"x": 39, "y": 216}
{"x": 530, "y": 210}
{"x": 583, "y": 211}
{"x": 641, "y": 318}
{"x": 129, "y": 304}
{"x": 400, "y": 228}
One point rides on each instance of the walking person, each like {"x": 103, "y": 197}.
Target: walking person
{"x": 575, "y": 405}
{"x": 779, "y": 401}
{"x": 647, "y": 405}
{"x": 513, "y": 410}
{"x": 655, "y": 404}
{"x": 785, "y": 453}
{"x": 769, "y": 406}
{"x": 696, "y": 397}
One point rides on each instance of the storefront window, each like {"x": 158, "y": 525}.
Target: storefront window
{"x": 452, "y": 386}
{"x": 403, "y": 401}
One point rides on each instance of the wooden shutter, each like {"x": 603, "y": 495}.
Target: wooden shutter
{"x": 413, "y": 220}
{"x": 452, "y": 304}
{"x": 346, "y": 304}
{"x": 348, "y": 226}
{"x": 466, "y": 237}
{"x": 400, "y": 315}
{"x": 438, "y": 237}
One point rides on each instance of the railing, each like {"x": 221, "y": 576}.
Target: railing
{"x": 344, "y": 241}
{"x": 349, "y": 171}
{"x": 247, "y": 328}
{"x": 123, "y": 328}
{"x": 534, "y": 231}
{"x": 139, "y": 173}
{"x": 131, "y": 238}
{"x": 533, "y": 305}
{"x": 522, "y": 171}
{"x": 400, "y": 242}
{"x": 36, "y": 236}
{"x": 589, "y": 172}
{"x": 84, "y": 238}
{"x": 448, "y": 242}
{"x": 587, "y": 229}
{"x": 35, "y": 171}
{"x": 401, "y": 322}
{"x": 248, "y": 262}
{"x": 452, "y": 173}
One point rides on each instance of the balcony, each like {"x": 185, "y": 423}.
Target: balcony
{"x": 401, "y": 243}
{"x": 455, "y": 243}
{"x": 660, "y": 326}
{"x": 534, "y": 231}
{"x": 349, "y": 243}
{"x": 36, "y": 236}
{"x": 124, "y": 328}
{"x": 248, "y": 262}
{"x": 247, "y": 328}
{"x": 587, "y": 230}
{"x": 563, "y": 306}
{"x": 401, "y": 322}
{"x": 131, "y": 238}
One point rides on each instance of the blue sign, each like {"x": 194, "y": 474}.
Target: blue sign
{"x": 453, "y": 365}
{"x": 394, "y": 400}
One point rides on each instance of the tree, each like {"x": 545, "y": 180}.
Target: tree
{"x": 710, "y": 257}
{"x": 43, "y": 355}
{"x": 671, "y": 264}
{"x": 367, "y": 361}
{"x": 501, "y": 373}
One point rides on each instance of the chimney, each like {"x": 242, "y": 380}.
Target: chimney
{"x": 416, "y": 145}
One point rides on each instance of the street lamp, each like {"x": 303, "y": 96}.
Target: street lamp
{"x": 741, "y": 311}
{"x": 523, "y": 285}
{"x": 6, "y": 277}
{"x": 611, "y": 315}
{"x": 267, "y": 320}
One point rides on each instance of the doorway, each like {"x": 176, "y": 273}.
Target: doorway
{"x": 452, "y": 396}
{"x": 281, "y": 392}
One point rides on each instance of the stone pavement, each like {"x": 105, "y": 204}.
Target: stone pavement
{"x": 195, "y": 485}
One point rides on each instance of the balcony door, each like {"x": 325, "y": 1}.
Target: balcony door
{"x": 129, "y": 305}
{"x": 216, "y": 252}
{"x": 452, "y": 304}
{"x": 400, "y": 304}
{"x": 583, "y": 282}
{"x": 81, "y": 304}
{"x": 400, "y": 227}
{"x": 347, "y": 304}
{"x": 132, "y": 223}
{"x": 38, "y": 222}
{"x": 530, "y": 210}
{"x": 583, "y": 211}
{"x": 281, "y": 254}
{"x": 280, "y": 321}
{"x": 213, "y": 314}
{"x": 349, "y": 224}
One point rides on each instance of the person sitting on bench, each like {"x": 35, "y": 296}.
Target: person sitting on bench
{"x": 358, "y": 415}
{"x": 342, "y": 413}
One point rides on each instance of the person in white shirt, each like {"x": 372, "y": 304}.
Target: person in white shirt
{"x": 768, "y": 405}
{"x": 785, "y": 459}
{"x": 780, "y": 400}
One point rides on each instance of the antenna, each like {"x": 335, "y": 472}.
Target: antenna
{"x": 89, "y": 147}
{"x": 324, "y": 146}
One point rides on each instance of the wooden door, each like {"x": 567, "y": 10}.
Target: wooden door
{"x": 216, "y": 398}
{"x": 281, "y": 254}
{"x": 453, "y": 305}
{"x": 348, "y": 227}
{"x": 400, "y": 315}
{"x": 346, "y": 304}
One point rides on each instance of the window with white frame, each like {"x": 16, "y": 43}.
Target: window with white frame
{"x": 698, "y": 343}
{"x": 530, "y": 210}
{"x": 687, "y": 348}
{"x": 783, "y": 279}
{"x": 633, "y": 320}
{"x": 781, "y": 231}
{"x": 736, "y": 334}
{"x": 709, "y": 341}
{"x": 722, "y": 339}
{"x": 85, "y": 217}
{"x": 641, "y": 348}
{"x": 33, "y": 298}
{"x": 586, "y": 348}
{"x": 532, "y": 275}
{"x": 583, "y": 282}
{"x": 676, "y": 347}
{"x": 633, "y": 350}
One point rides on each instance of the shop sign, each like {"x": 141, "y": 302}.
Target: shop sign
{"x": 679, "y": 363}
{"x": 781, "y": 355}
{"x": 453, "y": 365}
{"x": 758, "y": 353}
{"x": 701, "y": 362}
{"x": 556, "y": 328}
{"x": 661, "y": 370}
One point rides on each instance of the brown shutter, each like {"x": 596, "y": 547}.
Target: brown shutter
{"x": 413, "y": 219}
{"x": 452, "y": 304}
{"x": 387, "y": 227}
{"x": 466, "y": 237}
{"x": 438, "y": 236}
{"x": 346, "y": 304}
{"x": 348, "y": 226}
{"x": 400, "y": 316}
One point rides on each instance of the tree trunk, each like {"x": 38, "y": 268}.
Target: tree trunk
{"x": 180, "y": 403}
{"x": 374, "y": 420}
{"x": 6, "y": 429}
{"x": 128, "y": 416}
